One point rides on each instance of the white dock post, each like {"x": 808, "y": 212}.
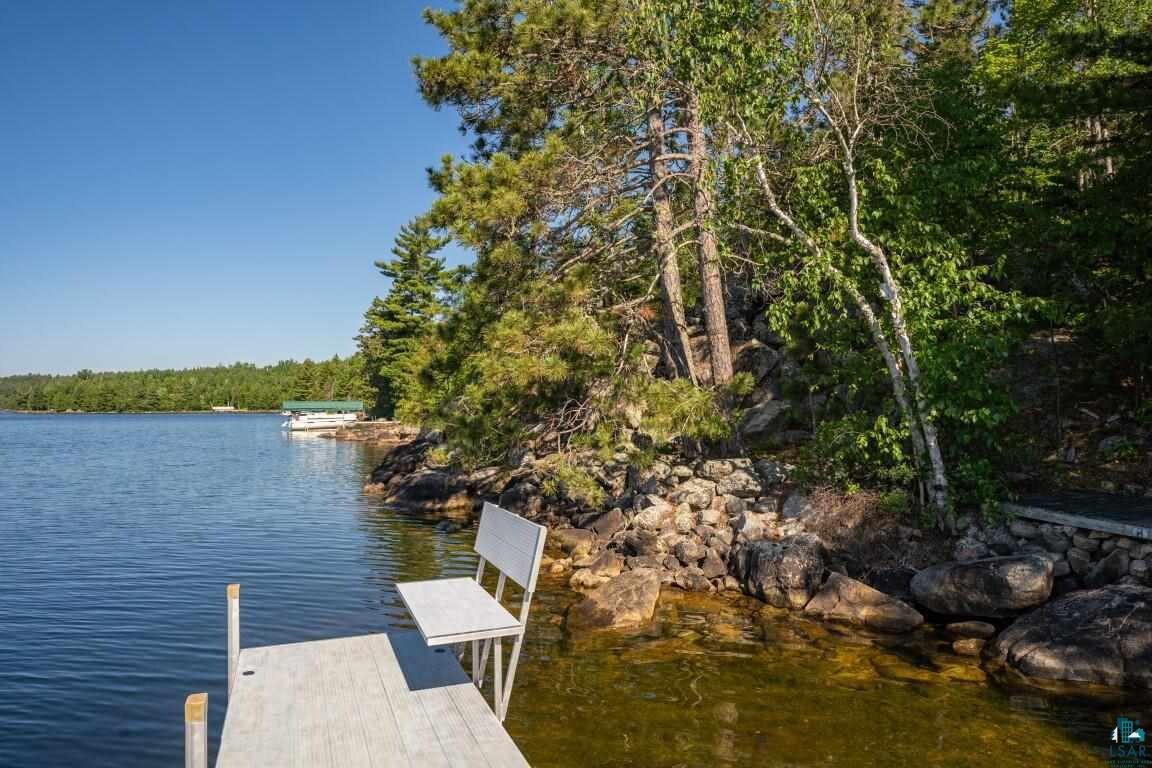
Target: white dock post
{"x": 233, "y": 633}
{"x": 196, "y": 731}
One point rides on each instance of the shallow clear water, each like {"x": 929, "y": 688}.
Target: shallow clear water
{"x": 118, "y": 534}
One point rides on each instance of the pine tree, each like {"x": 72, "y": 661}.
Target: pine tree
{"x": 416, "y": 300}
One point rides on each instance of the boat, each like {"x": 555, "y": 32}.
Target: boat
{"x": 304, "y": 415}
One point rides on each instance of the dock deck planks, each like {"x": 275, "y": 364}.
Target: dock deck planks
{"x": 379, "y": 701}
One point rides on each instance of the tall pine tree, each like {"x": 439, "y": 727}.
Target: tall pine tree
{"x": 394, "y": 324}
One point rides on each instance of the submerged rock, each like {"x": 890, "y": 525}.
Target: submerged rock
{"x": 430, "y": 490}
{"x": 992, "y": 587}
{"x": 845, "y": 599}
{"x": 626, "y": 600}
{"x": 979, "y": 630}
{"x": 968, "y": 646}
{"x": 784, "y": 574}
{"x": 1095, "y": 636}
{"x": 574, "y": 541}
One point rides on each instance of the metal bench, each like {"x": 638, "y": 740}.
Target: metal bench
{"x": 460, "y": 610}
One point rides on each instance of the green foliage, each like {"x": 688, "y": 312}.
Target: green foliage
{"x": 565, "y": 479}
{"x": 397, "y": 323}
{"x": 858, "y": 449}
{"x": 245, "y": 386}
{"x": 677, "y": 408}
{"x": 490, "y": 391}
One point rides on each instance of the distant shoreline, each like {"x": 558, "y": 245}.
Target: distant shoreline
{"x": 133, "y": 413}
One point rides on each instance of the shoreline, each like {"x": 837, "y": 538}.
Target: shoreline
{"x": 1019, "y": 598}
{"x": 137, "y": 413}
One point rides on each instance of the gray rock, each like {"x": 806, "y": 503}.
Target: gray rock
{"x": 607, "y": 524}
{"x": 1108, "y": 570}
{"x": 845, "y": 599}
{"x": 713, "y": 565}
{"x": 734, "y": 505}
{"x": 1094, "y": 636}
{"x": 692, "y": 579}
{"x": 894, "y": 582}
{"x": 796, "y": 507}
{"x": 785, "y": 573}
{"x": 1023, "y": 529}
{"x": 520, "y": 496}
{"x": 1138, "y": 568}
{"x": 714, "y": 469}
{"x": 714, "y": 517}
{"x": 995, "y": 586}
{"x": 970, "y": 549}
{"x": 607, "y": 563}
{"x": 681, "y": 472}
{"x": 1078, "y": 560}
{"x": 641, "y": 561}
{"x": 574, "y": 541}
{"x": 696, "y": 493}
{"x": 1055, "y": 542}
{"x": 654, "y": 514}
{"x": 640, "y": 543}
{"x": 685, "y": 518}
{"x": 763, "y": 419}
{"x": 689, "y": 552}
{"x": 626, "y": 600}
{"x": 980, "y": 630}
{"x": 758, "y": 359}
{"x": 1086, "y": 543}
{"x": 752, "y": 527}
{"x": 430, "y": 490}
{"x": 771, "y": 472}
{"x": 1061, "y": 568}
{"x": 740, "y": 483}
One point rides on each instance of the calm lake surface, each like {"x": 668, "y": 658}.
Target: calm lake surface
{"x": 119, "y": 533}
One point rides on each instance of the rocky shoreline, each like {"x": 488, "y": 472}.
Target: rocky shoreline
{"x": 1035, "y": 600}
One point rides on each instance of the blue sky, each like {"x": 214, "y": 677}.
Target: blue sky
{"x": 190, "y": 183}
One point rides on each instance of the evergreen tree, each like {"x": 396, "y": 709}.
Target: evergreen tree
{"x": 415, "y": 302}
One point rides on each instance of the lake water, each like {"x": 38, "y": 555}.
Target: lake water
{"x": 119, "y": 533}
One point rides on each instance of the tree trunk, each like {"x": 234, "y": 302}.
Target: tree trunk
{"x": 671, "y": 293}
{"x": 711, "y": 280}
{"x": 879, "y": 337}
{"x": 891, "y": 292}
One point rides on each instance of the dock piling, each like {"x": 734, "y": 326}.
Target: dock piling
{"x": 196, "y": 731}
{"x": 233, "y": 633}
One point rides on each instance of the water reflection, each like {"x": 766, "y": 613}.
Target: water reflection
{"x": 117, "y": 535}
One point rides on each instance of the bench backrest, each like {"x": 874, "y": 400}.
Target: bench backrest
{"x": 512, "y": 544}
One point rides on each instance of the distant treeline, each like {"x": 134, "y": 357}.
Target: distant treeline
{"x": 242, "y": 385}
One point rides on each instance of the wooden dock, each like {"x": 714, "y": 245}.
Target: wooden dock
{"x": 373, "y": 701}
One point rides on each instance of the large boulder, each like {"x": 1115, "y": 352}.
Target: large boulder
{"x": 763, "y": 419}
{"x": 1094, "y": 636}
{"x": 626, "y": 600}
{"x": 430, "y": 490}
{"x": 784, "y": 573}
{"x": 992, "y": 587}
{"x": 741, "y": 483}
{"x": 851, "y": 601}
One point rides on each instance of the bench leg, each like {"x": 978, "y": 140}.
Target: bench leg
{"x": 498, "y": 682}
{"x": 512, "y": 662}
{"x": 483, "y": 663}
{"x": 476, "y": 662}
